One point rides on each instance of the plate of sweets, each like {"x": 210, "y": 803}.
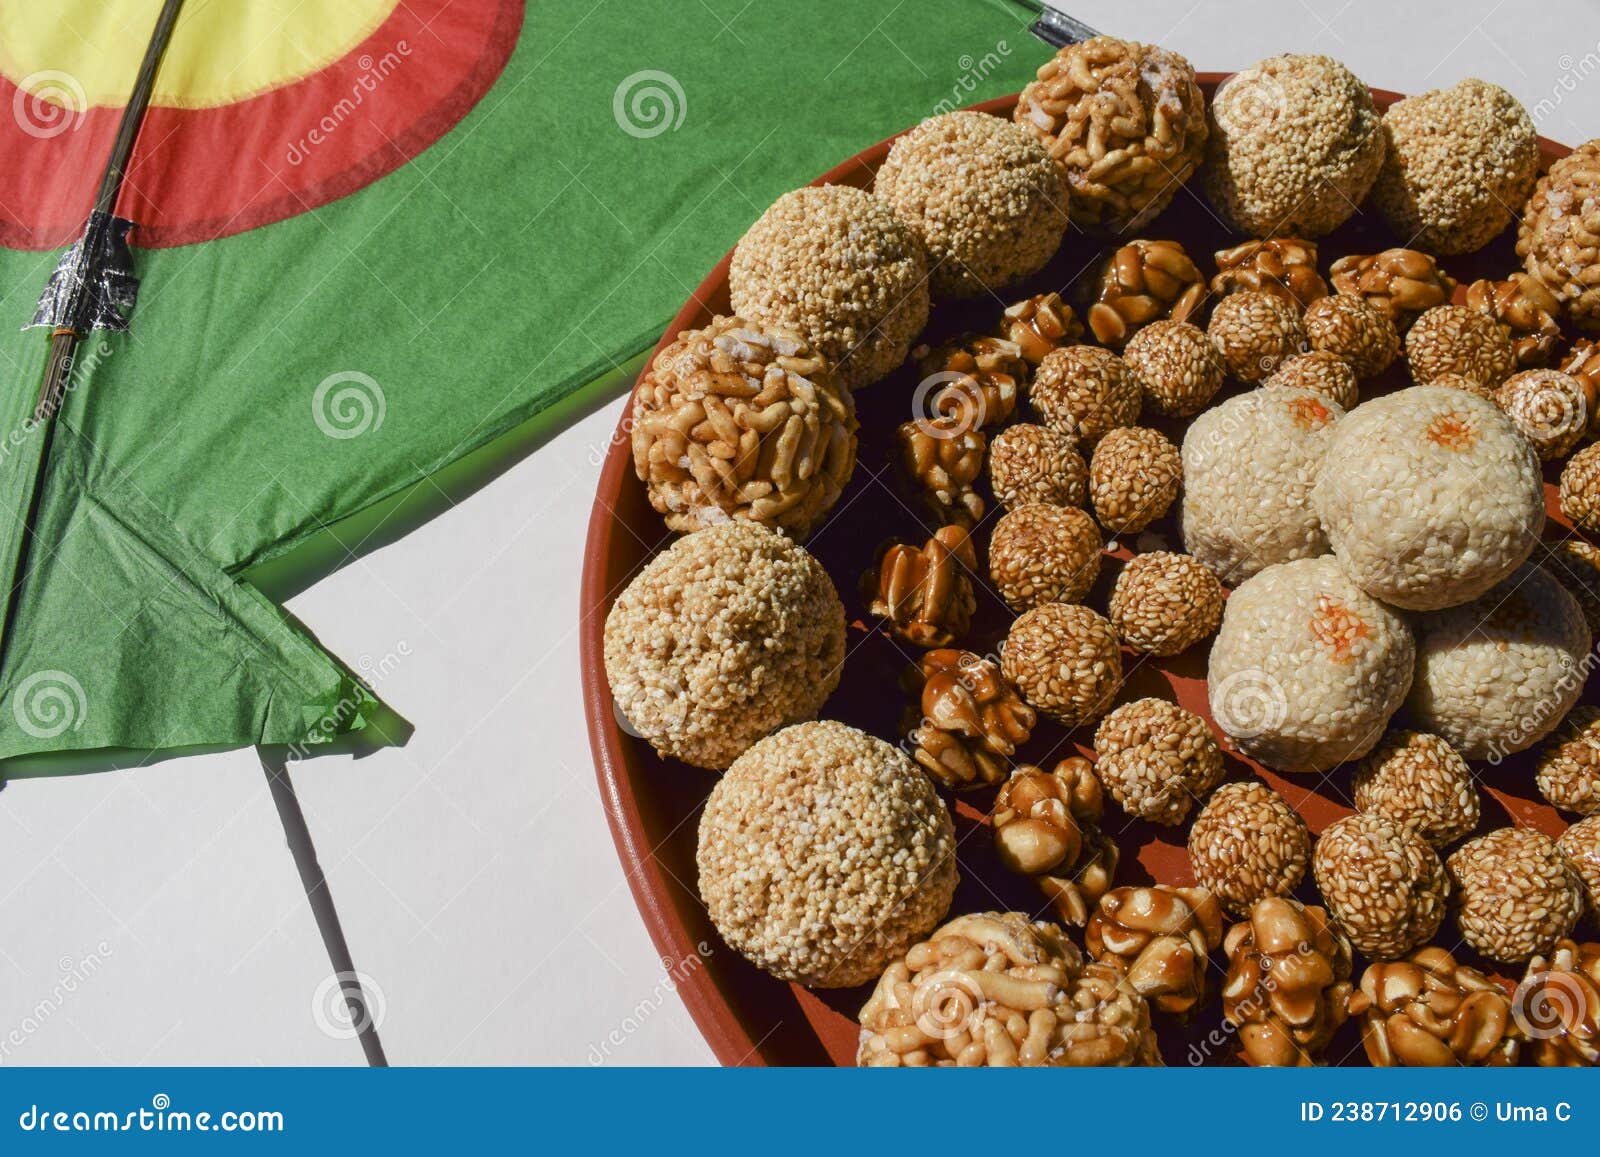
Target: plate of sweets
{"x": 1105, "y": 578}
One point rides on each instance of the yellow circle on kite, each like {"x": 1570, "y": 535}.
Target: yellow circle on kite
{"x": 87, "y": 52}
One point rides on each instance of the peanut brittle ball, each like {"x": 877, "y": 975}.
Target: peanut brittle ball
{"x": 1430, "y": 1010}
{"x": 1294, "y": 146}
{"x": 1287, "y": 986}
{"x": 1402, "y": 283}
{"x": 983, "y": 195}
{"x": 1527, "y": 308}
{"x": 1495, "y": 675}
{"x": 1559, "y": 238}
{"x": 1064, "y": 660}
{"x": 1429, "y": 496}
{"x": 1549, "y": 407}
{"x": 1354, "y": 329}
{"x": 824, "y": 854}
{"x": 1420, "y": 782}
{"x": 1134, "y": 477}
{"x": 1044, "y": 554}
{"x": 1459, "y": 161}
{"x": 1247, "y": 844}
{"x": 1581, "y": 845}
{"x": 1516, "y": 894}
{"x": 1249, "y": 466}
{"x": 1580, "y": 489}
{"x": 1176, "y": 366}
{"x": 740, "y": 421}
{"x": 1383, "y": 884}
{"x": 1140, "y": 283}
{"x": 1323, "y": 373}
{"x": 1085, "y": 392}
{"x": 835, "y": 265}
{"x": 1125, "y": 121}
{"x": 1255, "y": 332}
{"x": 1165, "y": 603}
{"x": 1156, "y": 759}
{"x": 1029, "y": 463}
{"x": 1453, "y": 339}
{"x": 995, "y": 989}
{"x": 728, "y": 634}
{"x": 1568, "y": 771}
{"x": 1307, "y": 668}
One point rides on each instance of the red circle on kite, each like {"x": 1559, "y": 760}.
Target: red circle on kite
{"x": 211, "y": 161}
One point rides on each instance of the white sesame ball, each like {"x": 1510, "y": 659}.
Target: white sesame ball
{"x": 825, "y": 853}
{"x": 1495, "y": 675}
{"x": 837, "y": 266}
{"x": 1429, "y": 496}
{"x": 1307, "y": 669}
{"x": 729, "y": 633}
{"x": 1248, "y": 469}
{"x": 1294, "y": 146}
{"x": 984, "y": 196}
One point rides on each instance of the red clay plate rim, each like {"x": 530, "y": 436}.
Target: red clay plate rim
{"x": 727, "y": 1035}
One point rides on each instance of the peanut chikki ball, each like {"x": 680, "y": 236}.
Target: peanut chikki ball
{"x": 1044, "y": 554}
{"x": 1249, "y": 466}
{"x": 1164, "y": 603}
{"x": 1549, "y": 407}
{"x": 1134, "y": 478}
{"x": 1029, "y": 463}
{"x": 1383, "y": 884}
{"x": 1176, "y": 366}
{"x": 995, "y": 989}
{"x": 739, "y": 421}
{"x": 1294, "y": 147}
{"x": 1353, "y": 329}
{"x": 1581, "y": 845}
{"x": 835, "y": 265}
{"x": 1065, "y": 662}
{"x": 1559, "y": 236}
{"x": 1156, "y": 759}
{"x": 1255, "y": 332}
{"x": 1326, "y": 374}
{"x": 1306, "y": 669}
{"x": 1401, "y": 283}
{"x": 1125, "y": 121}
{"x": 983, "y": 195}
{"x": 1453, "y": 339}
{"x": 1495, "y": 675}
{"x": 728, "y": 634}
{"x": 824, "y": 854}
{"x": 1420, "y": 782}
{"x": 1516, "y": 894}
{"x": 1247, "y": 844}
{"x": 1568, "y": 771}
{"x": 1429, "y": 496}
{"x": 1460, "y": 161}
{"x": 1085, "y": 392}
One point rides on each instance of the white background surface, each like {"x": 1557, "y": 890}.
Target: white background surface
{"x": 155, "y": 916}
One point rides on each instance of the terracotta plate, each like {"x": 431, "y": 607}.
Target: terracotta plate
{"x": 654, "y": 805}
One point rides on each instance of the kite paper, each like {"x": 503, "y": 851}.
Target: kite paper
{"x": 371, "y": 238}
